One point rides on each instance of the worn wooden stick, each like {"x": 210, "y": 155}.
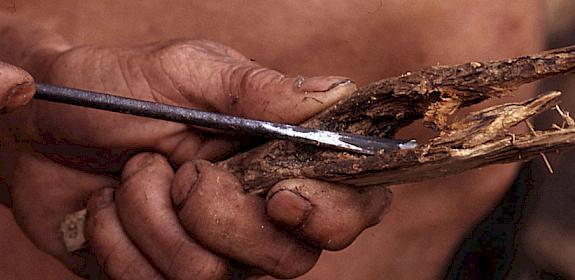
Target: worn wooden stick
{"x": 382, "y": 108}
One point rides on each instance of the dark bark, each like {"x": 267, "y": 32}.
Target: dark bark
{"x": 433, "y": 94}
{"x": 382, "y": 108}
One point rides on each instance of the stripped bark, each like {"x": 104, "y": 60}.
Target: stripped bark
{"x": 433, "y": 94}
{"x": 382, "y": 108}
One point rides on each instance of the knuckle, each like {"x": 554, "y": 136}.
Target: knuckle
{"x": 251, "y": 77}
{"x": 235, "y": 79}
{"x": 246, "y": 77}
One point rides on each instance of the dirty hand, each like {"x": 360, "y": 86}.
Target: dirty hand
{"x": 154, "y": 222}
{"x": 16, "y": 89}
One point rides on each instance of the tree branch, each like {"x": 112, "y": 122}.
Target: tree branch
{"x": 382, "y": 108}
{"x": 433, "y": 94}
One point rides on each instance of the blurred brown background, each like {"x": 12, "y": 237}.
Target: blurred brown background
{"x": 531, "y": 233}
{"x": 548, "y": 235}
{"x": 530, "y": 238}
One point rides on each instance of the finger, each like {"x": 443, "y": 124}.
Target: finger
{"x": 224, "y": 80}
{"x": 218, "y": 214}
{"x": 16, "y": 86}
{"x": 330, "y": 216}
{"x": 192, "y": 144}
{"x": 145, "y": 209}
{"x": 115, "y": 252}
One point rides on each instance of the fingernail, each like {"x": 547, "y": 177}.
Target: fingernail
{"x": 103, "y": 199}
{"x": 319, "y": 84}
{"x": 288, "y": 208}
{"x": 20, "y": 94}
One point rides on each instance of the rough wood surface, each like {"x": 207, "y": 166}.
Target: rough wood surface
{"x": 433, "y": 94}
{"x": 382, "y": 108}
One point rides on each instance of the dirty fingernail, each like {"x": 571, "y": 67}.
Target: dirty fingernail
{"x": 319, "y": 84}
{"x": 288, "y": 208}
{"x": 20, "y": 94}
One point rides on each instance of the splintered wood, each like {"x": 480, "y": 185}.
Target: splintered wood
{"x": 433, "y": 94}
{"x": 382, "y": 108}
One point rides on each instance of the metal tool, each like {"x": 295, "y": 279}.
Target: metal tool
{"x": 339, "y": 140}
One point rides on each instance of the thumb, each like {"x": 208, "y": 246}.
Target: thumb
{"x": 268, "y": 95}
{"x": 16, "y": 86}
{"x": 228, "y": 82}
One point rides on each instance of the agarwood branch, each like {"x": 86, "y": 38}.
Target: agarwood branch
{"x": 382, "y": 108}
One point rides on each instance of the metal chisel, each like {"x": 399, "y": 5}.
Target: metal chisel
{"x": 338, "y": 140}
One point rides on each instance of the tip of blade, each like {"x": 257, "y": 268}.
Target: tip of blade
{"x": 372, "y": 145}
{"x": 411, "y": 144}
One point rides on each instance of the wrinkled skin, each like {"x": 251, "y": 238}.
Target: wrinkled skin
{"x": 363, "y": 39}
{"x": 188, "y": 224}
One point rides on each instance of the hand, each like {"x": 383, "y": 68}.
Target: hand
{"x": 136, "y": 231}
{"x": 16, "y": 89}
{"x": 66, "y": 153}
